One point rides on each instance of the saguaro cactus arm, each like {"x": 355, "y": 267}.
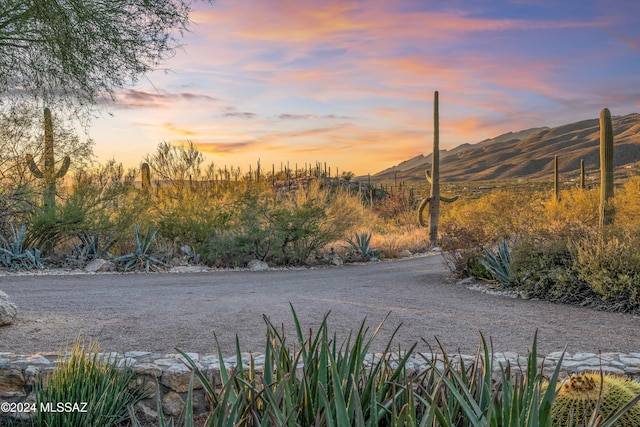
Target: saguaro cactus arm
{"x": 66, "y": 162}
{"x": 33, "y": 167}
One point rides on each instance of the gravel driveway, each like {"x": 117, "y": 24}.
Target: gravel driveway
{"x": 158, "y": 312}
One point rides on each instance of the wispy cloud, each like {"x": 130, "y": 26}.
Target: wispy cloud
{"x": 142, "y": 99}
{"x": 172, "y": 128}
{"x": 288, "y": 116}
{"x": 239, "y": 114}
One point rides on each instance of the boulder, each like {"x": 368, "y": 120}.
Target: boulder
{"x": 8, "y": 310}
{"x": 405, "y": 254}
{"x": 172, "y": 404}
{"x": 257, "y": 265}
{"x": 336, "y": 260}
{"x": 99, "y": 265}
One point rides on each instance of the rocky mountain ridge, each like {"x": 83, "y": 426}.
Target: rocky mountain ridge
{"x": 527, "y": 154}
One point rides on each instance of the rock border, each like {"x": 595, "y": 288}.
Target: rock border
{"x": 169, "y": 373}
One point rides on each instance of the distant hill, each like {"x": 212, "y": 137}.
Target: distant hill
{"x": 527, "y": 154}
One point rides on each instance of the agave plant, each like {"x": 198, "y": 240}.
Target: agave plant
{"x": 83, "y": 377}
{"x": 315, "y": 381}
{"x": 141, "y": 259}
{"x": 91, "y": 246}
{"x": 498, "y": 263}
{"x": 361, "y": 245}
{"x": 15, "y": 256}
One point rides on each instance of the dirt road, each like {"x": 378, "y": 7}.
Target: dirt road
{"x": 158, "y": 312}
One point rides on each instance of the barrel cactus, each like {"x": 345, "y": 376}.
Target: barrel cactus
{"x": 578, "y": 396}
{"x": 48, "y": 173}
{"x": 434, "y": 179}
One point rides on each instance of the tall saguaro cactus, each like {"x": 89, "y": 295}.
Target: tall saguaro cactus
{"x": 606, "y": 167}
{"x": 556, "y": 180}
{"x": 48, "y": 173}
{"x": 145, "y": 172}
{"x": 434, "y": 179}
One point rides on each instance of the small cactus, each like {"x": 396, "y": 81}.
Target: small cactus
{"x": 434, "y": 179}
{"x": 578, "y": 397}
{"x": 48, "y": 173}
{"x": 606, "y": 167}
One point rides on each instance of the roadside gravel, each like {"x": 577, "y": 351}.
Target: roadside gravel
{"x": 158, "y": 312}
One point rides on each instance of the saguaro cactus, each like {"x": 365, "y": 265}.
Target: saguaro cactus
{"x": 556, "y": 180}
{"x": 583, "y": 182}
{"x": 48, "y": 173}
{"x": 606, "y": 167}
{"x": 145, "y": 171}
{"x": 434, "y": 179}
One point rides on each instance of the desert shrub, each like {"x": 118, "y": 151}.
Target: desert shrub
{"x": 609, "y": 263}
{"x": 192, "y": 220}
{"x": 393, "y": 205}
{"x": 575, "y": 205}
{"x": 247, "y": 235}
{"x": 100, "y": 202}
{"x": 298, "y": 230}
{"x": 544, "y": 265}
{"x": 627, "y": 204}
{"x": 494, "y": 217}
{"x": 468, "y": 226}
{"x": 282, "y": 228}
{"x": 462, "y": 242}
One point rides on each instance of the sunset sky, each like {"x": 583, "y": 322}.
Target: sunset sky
{"x": 351, "y": 83}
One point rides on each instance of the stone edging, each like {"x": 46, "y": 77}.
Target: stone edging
{"x": 18, "y": 373}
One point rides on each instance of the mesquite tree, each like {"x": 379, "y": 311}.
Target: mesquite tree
{"x": 77, "y": 52}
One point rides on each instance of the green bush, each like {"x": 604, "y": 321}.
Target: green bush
{"x": 84, "y": 377}
{"x": 543, "y": 265}
{"x": 610, "y": 264}
{"x": 282, "y": 229}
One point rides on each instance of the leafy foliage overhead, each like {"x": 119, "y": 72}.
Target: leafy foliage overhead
{"x": 79, "y": 51}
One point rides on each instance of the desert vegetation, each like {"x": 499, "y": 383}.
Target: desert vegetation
{"x": 554, "y": 249}
{"x": 174, "y": 208}
{"x": 547, "y": 239}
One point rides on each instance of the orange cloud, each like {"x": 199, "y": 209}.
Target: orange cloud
{"x": 170, "y": 127}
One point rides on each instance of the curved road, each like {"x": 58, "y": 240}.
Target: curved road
{"x": 158, "y": 312}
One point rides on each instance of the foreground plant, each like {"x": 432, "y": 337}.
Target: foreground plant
{"x": 99, "y": 388}
{"x": 498, "y": 263}
{"x": 584, "y": 398}
{"x": 141, "y": 259}
{"x": 360, "y": 245}
{"x": 15, "y": 256}
{"x": 317, "y": 382}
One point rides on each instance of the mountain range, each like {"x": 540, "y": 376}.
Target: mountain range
{"x": 527, "y": 154}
